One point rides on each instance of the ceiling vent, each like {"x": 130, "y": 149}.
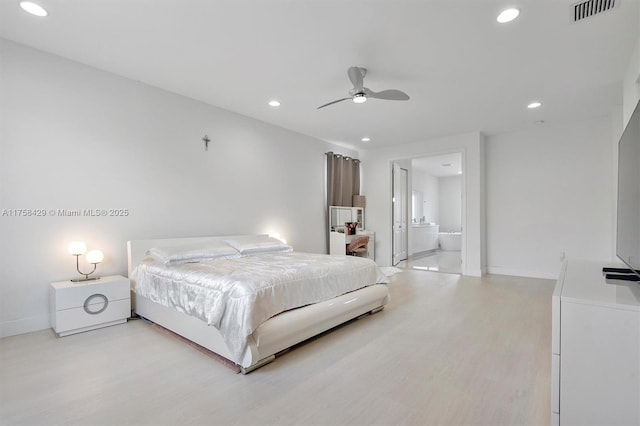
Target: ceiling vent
{"x": 585, "y": 9}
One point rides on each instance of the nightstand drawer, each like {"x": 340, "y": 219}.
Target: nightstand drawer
{"x": 95, "y": 314}
{"x": 87, "y": 305}
{"x": 75, "y": 295}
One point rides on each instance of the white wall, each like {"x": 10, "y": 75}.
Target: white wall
{"x": 450, "y": 203}
{"x": 549, "y": 190}
{"x": 377, "y": 187}
{"x": 631, "y": 89}
{"x": 630, "y": 84}
{"x": 428, "y": 185}
{"x": 74, "y": 137}
{"x": 431, "y": 205}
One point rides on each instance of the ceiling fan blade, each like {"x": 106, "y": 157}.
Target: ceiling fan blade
{"x": 355, "y": 75}
{"x": 334, "y": 102}
{"x": 390, "y": 95}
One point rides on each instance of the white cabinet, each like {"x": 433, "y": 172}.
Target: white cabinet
{"x": 87, "y": 305}
{"x": 423, "y": 238}
{"x": 595, "y": 348}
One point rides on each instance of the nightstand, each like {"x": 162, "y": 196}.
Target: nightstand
{"x": 83, "y": 306}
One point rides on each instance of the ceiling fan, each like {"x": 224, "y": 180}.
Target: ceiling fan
{"x": 360, "y": 94}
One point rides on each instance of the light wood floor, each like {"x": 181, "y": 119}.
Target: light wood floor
{"x": 446, "y": 350}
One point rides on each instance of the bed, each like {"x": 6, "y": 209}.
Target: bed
{"x": 254, "y": 301}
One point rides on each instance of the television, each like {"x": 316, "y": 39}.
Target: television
{"x": 628, "y": 229}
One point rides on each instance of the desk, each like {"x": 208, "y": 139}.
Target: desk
{"x": 338, "y": 242}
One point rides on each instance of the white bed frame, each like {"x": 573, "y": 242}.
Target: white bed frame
{"x": 271, "y": 337}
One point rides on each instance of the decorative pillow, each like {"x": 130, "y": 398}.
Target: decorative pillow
{"x": 193, "y": 253}
{"x": 253, "y": 244}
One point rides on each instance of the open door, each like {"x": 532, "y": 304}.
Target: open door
{"x": 400, "y": 210}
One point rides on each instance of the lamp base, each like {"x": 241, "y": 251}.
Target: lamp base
{"x": 80, "y": 280}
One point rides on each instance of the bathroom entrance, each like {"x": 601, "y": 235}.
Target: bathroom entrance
{"x": 436, "y": 204}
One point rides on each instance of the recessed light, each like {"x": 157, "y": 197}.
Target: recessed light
{"x": 274, "y": 103}
{"x": 534, "y": 104}
{"x": 365, "y": 139}
{"x": 34, "y": 9}
{"x": 508, "y": 15}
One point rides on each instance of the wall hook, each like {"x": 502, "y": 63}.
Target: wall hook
{"x": 206, "y": 141}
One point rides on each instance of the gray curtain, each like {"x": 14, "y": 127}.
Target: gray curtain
{"x": 343, "y": 179}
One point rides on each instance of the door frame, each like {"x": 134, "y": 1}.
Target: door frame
{"x": 463, "y": 251}
{"x": 405, "y": 248}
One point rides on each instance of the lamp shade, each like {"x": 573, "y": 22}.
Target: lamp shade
{"x": 77, "y": 248}
{"x": 95, "y": 256}
{"x": 359, "y": 201}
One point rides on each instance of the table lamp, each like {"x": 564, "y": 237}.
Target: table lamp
{"x": 77, "y": 249}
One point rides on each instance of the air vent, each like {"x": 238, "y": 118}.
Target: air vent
{"x": 585, "y": 9}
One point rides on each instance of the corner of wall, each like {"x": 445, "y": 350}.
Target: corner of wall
{"x": 483, "y": 203}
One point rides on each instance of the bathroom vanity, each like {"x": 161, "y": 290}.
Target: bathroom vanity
{"x": 424, "y": 238}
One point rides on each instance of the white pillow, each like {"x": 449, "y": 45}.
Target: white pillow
{"x": 193, "y": 253}
{"x": 253, "y": 244}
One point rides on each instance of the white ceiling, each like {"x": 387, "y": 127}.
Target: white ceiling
{"x": 440, "y": 165}
{"x": 463, "y": 70}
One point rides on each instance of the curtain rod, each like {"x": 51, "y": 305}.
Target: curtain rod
{"x": 346, "y": 157}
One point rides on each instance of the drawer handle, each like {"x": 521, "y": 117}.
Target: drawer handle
{"x": 88, "y": 309}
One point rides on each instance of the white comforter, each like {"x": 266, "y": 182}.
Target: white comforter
{"x": 237, "y": 295}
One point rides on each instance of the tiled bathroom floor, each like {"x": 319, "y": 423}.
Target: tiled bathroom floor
{"x": 440, "y": 261}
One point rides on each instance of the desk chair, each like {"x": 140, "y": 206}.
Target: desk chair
{"x": 358, "y": 247}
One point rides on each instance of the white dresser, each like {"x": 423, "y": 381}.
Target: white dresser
{"x": 87, "y": 305}
{"x": 595, "y": 348}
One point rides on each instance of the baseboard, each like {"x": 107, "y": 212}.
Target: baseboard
{"x": 475, "y": 272}
{"x": 24, "y": 325}
{"x": 522, "y": 273}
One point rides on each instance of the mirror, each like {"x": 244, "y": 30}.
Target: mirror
{"x": 340, "y": 215}
{"x": 417, "y": 201}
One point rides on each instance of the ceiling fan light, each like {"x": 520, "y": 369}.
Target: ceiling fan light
{"x": 359, "y": 98}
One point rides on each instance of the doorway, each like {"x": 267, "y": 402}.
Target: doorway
{"x": 434, "y": 230}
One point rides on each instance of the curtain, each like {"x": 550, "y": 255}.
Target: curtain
{"x": 343, "y": 179}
